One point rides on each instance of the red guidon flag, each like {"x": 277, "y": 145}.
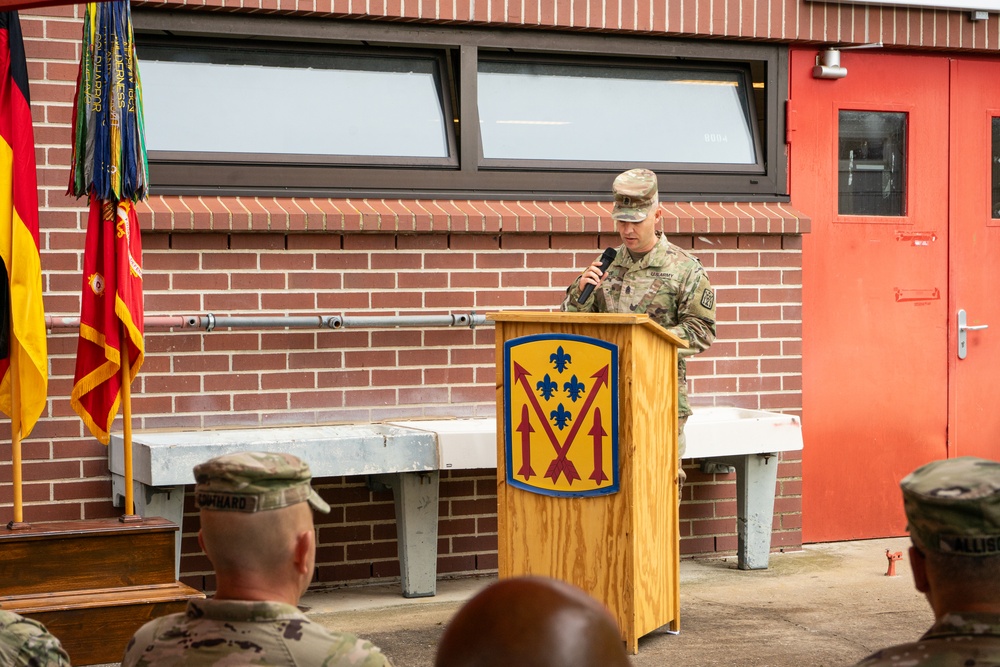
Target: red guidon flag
{"x": 22, "y": 313}
{"x": 111, "y": 313}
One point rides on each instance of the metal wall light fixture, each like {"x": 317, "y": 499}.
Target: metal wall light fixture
{"x": 828, "y": 65}
{"x": 828, "y": 61}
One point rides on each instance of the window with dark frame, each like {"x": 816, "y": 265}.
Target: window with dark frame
{"x": 325, "y": 109}
{"x": 645, "y": 113}
{"x": 245, "y": 100}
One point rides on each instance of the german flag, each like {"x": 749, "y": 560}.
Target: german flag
{"x": 23, "y": 323}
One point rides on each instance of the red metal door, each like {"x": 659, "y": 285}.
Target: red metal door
{"x": 875, "y": 283}
{"x": 974, "y": 417}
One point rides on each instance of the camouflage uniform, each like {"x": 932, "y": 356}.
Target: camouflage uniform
{"x": 952, "y": 509}
{"x": 670, "y": 285}
{"x": 25, "y": 642}
{"x": 957, "y": 639}
{"x": 236, "y": 632}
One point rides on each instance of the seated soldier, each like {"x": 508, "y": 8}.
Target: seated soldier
{"x": 532, "y": 622}
{"x": 953, "y": 511}
{"x": 257, "y": 529}
{"x": 25, "y": 642}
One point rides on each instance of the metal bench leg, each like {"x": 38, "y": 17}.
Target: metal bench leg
{"x": 416, "y": 498}
{"x": 756, "y": 477}
{"x": 166, "y": 502}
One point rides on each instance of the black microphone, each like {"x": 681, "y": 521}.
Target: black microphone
{"x": 607, "y": 257}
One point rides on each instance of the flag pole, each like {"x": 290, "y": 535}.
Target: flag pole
{"x": 129, "y": 516}
{"x": 15, "y": 436}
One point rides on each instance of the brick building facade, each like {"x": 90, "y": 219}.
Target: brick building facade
{"x": 248, "y": 254}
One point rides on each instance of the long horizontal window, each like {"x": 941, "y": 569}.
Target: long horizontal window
{"x": 267, "y": 102}
{"x": 330, "y": 108}
{"x": 541, "y": 111}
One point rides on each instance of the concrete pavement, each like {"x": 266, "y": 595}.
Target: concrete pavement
{"x": 827, "y": 605}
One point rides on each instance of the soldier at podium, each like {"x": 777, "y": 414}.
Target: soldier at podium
{"x": 650, "y": 275}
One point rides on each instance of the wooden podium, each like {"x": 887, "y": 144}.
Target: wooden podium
{"x": 619, "y": 542}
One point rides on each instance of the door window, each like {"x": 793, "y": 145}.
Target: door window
{"x": 995, "y": 182}
{"x": 871, "y": 152}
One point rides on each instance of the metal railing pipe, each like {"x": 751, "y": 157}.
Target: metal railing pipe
{"x": 211, "y": 322}
{"x": 363, "y": 321}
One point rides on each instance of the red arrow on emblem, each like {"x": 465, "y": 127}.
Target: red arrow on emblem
{"x": 521, "y": 375}
{"x": 560, "y": 462}
{"x": 524, "y": 428}
{"x": 598, "y": 432}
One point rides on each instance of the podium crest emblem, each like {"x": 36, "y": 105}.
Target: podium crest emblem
{"x": 561, "y": 414}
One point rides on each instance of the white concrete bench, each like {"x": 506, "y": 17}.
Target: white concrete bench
{"x": 408, "y": 456}
{"x": 749, "y": 441}
{"x": 726, "y": 439}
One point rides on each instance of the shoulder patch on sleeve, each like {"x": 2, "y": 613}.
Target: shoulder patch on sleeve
{"x": 708, "y": 299}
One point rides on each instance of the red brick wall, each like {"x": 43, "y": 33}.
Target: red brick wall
{"x": 248, "y": 377}
{"x": 263, "y": 377}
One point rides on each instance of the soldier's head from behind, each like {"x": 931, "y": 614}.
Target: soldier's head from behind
{"x": 257, "y": 524}
{"x": 637, "y": 208}
{"x": 531, "y": 622}
{"x": 953, "y": 514}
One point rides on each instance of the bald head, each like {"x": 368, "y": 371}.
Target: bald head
{"x": 529, "y": 622}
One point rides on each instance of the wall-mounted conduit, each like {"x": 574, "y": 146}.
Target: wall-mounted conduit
{"x": 211, "y": 322}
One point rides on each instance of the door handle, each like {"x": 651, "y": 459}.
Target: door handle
{"x": 963, "y": 347}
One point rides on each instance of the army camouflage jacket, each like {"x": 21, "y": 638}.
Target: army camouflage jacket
{"x": 234, "y": 632}
{"x": 957, "y": 639}
{"x": 25, "y": 642}
{"x": 670, "y": 285}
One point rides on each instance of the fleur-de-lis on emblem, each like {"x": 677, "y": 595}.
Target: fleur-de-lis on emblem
{"x": 573, "y": 388}
{"x": 546, "y": 387}
{"x": 560, "y": 359}
{"x": 561, "y": 417}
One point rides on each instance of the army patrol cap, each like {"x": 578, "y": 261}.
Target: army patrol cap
{"x": 953, "y": 506}
{"x": 254, "y": 482}
{"x": 635, "y": 193}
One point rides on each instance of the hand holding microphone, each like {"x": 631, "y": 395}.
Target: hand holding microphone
{"x": 607, "y": 257}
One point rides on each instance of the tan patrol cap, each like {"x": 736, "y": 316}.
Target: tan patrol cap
{"x": 635, "y": 193}
{"x": 953, "y": 506}
{"x": 254, "y": 482}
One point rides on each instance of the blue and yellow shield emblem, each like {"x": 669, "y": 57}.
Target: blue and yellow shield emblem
{"x": 561, "y": 414}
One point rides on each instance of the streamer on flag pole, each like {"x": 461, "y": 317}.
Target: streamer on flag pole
{"x": 109, "y": 166}
{"x": 109, "y": 151}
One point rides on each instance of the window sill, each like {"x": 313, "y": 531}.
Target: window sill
{"x": 164, "y": 213}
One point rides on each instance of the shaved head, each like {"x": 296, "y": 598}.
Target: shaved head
{"x": 260, "y": 550}
{"x": 532, "y": 622}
